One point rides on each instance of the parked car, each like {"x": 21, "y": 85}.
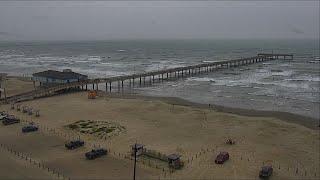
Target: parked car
{"x": 266, "y": 171}
{"x": 29, "y": 128}
{"x": 74, "y": 144}
{"x": 10, "y": 120}
{"x": 4, "y": 115}
{"x": 95, "y": 153}
{"x": 222, "y": 157}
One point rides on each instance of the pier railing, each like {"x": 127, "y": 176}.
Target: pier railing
{"x": 159, "y": 76}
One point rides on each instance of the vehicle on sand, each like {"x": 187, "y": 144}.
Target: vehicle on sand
{"x": 266, "y": 172}
{"x": 74, "y": 144}
{"x": 221, "y": 157}
{"x": 10, "y": 120}
{"x": 95, "y": 153}
{"x": 29, "y": 128}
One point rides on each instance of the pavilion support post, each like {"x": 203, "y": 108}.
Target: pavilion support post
{"x": 92, "y": 86}
{"x": 106, "y": 87}
{"x": 110, "y": 87}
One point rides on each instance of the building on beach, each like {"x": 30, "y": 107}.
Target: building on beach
{"x": 174, "y": 161}
{"x": 138, "y": 148}
{"x": 51, "y": 77}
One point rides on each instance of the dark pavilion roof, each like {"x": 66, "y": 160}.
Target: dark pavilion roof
{"x": 60, "y": 75}
{"x": 138, "y": 146}
{"x": 174, "y": 156}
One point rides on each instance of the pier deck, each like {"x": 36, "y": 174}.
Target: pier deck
{"x": 154, "y": 76}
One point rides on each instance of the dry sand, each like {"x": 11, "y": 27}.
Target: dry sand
{"x": 197, "y": 134}
{"x": 12, "y": 167}
{"x": 18, "y": 85}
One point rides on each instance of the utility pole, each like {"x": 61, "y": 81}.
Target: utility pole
{"x": 135, "y": 161}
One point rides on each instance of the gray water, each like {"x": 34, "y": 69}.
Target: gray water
{"x": 281, "y": 85}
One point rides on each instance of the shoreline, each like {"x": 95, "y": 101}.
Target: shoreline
{"x": 305, "y": 121}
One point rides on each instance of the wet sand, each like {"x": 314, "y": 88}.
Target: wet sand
{"x": 308, "y": 122}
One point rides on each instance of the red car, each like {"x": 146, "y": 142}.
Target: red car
{"x": 222, "y": 157}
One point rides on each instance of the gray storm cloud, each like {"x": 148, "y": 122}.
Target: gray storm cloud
{"x": 103, "y": 20}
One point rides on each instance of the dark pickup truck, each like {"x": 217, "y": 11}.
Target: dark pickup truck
{"x": 10, "y": 120}
{"x": 74, "y": 144}
{"x": 29, "y": 128}
{"x": 95, "y": 153}
{"x": 265, "y": 172}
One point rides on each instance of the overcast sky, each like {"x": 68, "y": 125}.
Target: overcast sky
{"x": 103, "y": 20}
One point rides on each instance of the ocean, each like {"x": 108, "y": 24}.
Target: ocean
{"x": 280, "y": 85}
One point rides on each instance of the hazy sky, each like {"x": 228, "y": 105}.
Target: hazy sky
{"x": 102, "y": 20}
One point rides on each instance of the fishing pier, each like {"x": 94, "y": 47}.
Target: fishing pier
{"x": 116, "y": 84}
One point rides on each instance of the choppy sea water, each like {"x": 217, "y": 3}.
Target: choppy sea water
{"x": 280, "y": 85}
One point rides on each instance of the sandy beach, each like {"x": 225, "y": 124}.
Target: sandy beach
{"x": 160, "y": 90}
{"x": 18, "y": 85}
{"x": 165, "y": 125}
